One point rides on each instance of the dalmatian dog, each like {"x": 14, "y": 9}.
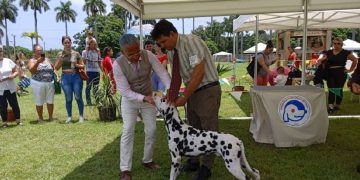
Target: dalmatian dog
{"x": 185, "y": 140}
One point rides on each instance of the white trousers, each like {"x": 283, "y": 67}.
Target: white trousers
{"x": 130, "y": 111}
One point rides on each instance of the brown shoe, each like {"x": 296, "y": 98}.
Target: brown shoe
{"x": 151, "y": 165}
{"x": 125, "y": 175}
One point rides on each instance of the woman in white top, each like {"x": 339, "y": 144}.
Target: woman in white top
{"x": 8, "y": 89}
{"x": 42, "y": 82}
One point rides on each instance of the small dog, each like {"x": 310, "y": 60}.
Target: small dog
{"x": 185, "y": 140}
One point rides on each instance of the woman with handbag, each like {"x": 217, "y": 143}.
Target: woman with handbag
{"x": 42, "y": 82}
{"x": 70, "y": 62}
{"x": 8, "y": 89}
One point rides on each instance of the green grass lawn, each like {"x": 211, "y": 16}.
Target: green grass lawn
{"x": 54, "y": 150}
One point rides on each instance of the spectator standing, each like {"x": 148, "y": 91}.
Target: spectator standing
{"x": 69, "y": 60}
{"x": 192, "y": 63}
{"x": 108, "y": 68}
{"x": 292, "y": 58}
{"x": 42, "y": 82}
{"x": 336, "y": 72}
{"x": 92, "y": 60}
{"x": 8, "y": 89}
{"x": 132, "y": 74}
{"x": 265, "y": 59}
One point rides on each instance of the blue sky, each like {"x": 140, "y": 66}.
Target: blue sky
{"x": 52, "y": 31}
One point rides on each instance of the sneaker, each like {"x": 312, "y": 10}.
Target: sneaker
{"x": 40, "y": 121}
{"x": 5, "y": 125}
{"x": 18, "y": 122}
{"x": 190, "y": 166}
{"x": 81, "y": 119}
{"x": 203, "y": 173}
{"x": 68, "y": 120}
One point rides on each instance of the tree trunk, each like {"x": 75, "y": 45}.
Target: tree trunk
{"x": 6, "y": 34}
{"x": 36, "y": 30}
{"x": 32, "y": 43}
{"x": 66, "y": 29}
{"x": 7, "y": 37}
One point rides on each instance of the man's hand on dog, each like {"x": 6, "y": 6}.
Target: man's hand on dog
{"x": 149, "y": 99}
{"x": 179, "y": 101}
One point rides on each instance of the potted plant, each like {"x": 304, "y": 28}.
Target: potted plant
{"x": 243, "y": 81}
{"x": 105, "y": 100}
{"x": 221, "y": 69}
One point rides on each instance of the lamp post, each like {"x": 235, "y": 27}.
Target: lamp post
{"x": 14, "y": 43}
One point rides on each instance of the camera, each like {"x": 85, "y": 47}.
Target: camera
{"x": 43, "y": 55}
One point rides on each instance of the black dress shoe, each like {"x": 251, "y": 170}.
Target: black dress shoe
{"x": 203, "y": 173}
{"x": 330, "y": 110}
{"x": 190, "y": 166}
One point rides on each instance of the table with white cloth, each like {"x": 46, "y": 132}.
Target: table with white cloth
{"x": 289, "y": 116}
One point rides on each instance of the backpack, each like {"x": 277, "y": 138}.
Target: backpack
{"x": 251, "y": 67}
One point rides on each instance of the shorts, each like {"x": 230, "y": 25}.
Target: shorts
{"x": 43, "y": 92}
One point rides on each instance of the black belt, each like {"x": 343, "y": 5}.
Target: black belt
{"x": 215, "y": 83}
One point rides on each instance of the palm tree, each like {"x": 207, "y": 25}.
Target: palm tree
{"x": 31, "y": 35}
{"x": 1, "y": 35}
{"x": 93, "y": 7}
{"x": 35, "y": 5}
{"x": 65, "y": 13}
{"x": 8, "y": 11}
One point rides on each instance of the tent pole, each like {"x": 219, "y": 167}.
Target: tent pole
{"x": 304, "y": 42}
{"x": 256, "y": 48}
{"x": 141, "y": 32}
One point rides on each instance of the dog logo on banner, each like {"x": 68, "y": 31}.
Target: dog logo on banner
{"x": 294, "y": 110}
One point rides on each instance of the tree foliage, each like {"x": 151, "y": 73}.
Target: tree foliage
{"x": 36, "y": 6}
{"x": 8, "y": 11}
{"x": 65, "y": 14}
{"x": 346, "y": 33}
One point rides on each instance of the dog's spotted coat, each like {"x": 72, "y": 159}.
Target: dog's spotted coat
{"x": 185, "y": 140}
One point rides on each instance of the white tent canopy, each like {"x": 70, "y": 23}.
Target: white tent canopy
{"x": 295, "y": 20}
{"x": 222, "y": 56}
{"x": 351, "y": 45}
{"x": 260, "y": 46}
{"x": 152, "y": 9}
{"x": 147, "y": 28}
